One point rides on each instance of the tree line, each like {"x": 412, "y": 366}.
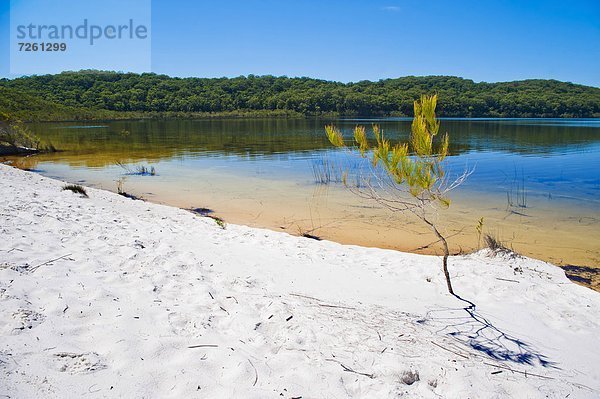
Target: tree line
{"x": 97, "y": 94}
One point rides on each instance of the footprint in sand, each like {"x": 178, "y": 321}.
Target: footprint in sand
{"x": 187, "y": 325}
{"x": 26, "y": 319}
{"x": 78, "y": 363}
{"x": 21, "y": 269}
{"x": 3, "y": 294}
{"x": 4, "y": 359}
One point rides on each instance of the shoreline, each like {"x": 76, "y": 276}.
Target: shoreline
{"x": 276, "y": 115}
{"x": 134, "y": 298}
{"x": 332, "y": 214}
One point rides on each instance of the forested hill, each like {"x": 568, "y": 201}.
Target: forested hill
{"x": 88, "y": 93}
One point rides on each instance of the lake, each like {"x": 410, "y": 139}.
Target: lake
{"x": 535, "y": 182}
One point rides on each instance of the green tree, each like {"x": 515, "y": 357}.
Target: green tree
{"x": 101, "y": 94}
{"x": 414, "y": 170}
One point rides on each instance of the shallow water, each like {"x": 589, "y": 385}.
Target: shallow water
{"x": 534, "y": 181}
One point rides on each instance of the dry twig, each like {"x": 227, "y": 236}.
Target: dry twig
{"x": 45, "y": 263}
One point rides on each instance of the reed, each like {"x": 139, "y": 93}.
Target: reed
{"x": 326, "y": 171}
{"x": 516, "y": 196}
{"x": 137, "y": 170}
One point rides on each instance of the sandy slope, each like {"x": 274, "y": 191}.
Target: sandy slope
{"x": 140, "y": 287}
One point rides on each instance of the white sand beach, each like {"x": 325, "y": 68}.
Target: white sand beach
{"x": 105, "y": 297}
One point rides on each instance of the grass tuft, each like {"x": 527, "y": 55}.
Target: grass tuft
{"x": 138, "y": 170}
{"x": 121, "y": 190}
{"x": 312, "y": 236}
{"x": 220, "y": 222}
{"x": 498, "y": 247}
{"x": 493, "y": 243}
{"x": 144, "y": 170}
{"x": 76, "y": 188}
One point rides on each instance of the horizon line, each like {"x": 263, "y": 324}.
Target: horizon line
{"x": 91, "y": 71}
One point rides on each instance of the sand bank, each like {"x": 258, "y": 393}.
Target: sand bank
{"x": 110, "y": 297}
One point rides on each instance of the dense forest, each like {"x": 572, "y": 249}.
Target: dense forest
{"x": 97, "y": 94}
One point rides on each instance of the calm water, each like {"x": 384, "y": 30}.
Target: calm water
{"x": 536, "y": 182}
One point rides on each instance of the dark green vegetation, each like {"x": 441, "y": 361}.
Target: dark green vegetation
{"x": 26, "y": 105}
{"x": 110, "y": 95}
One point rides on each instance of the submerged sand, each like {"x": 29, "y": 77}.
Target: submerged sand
{"x": 561, "y": 231}
{"x": 110, "y": 297}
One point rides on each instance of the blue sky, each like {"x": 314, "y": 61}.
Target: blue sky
{"x": 371, "y": 39}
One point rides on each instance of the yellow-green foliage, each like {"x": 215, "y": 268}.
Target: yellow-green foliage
{"x": 479, "y": 229}
{"x": 334, "y": 136}
{"x": 360, "y": 137}
{"x": 418, "y": 163}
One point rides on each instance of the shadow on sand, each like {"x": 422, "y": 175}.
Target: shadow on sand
{"x": 475, "y": 331}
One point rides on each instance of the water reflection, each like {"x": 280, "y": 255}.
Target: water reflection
{"x": 262, "y": 172}
{"x": 267, "y": 137}
{"x": 557, "y": 157}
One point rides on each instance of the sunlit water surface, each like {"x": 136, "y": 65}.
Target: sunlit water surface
{"x": 535, "y": 182}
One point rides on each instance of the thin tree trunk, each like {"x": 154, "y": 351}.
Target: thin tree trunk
{"x": 446, "y": 254}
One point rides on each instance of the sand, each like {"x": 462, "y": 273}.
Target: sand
{"x": 110, "y": 297}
